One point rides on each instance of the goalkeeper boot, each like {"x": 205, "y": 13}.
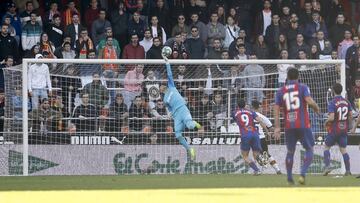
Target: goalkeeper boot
{"x": 327, "y": 170}
{"x": 301, "y": 180}
{"x": 197, "y": 125}
{"x": 192, "y": 154}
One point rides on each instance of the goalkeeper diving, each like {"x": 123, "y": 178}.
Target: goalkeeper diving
{"x": 179, "y": 111}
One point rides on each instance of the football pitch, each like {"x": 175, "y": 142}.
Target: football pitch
{"x": 177, "y": 188}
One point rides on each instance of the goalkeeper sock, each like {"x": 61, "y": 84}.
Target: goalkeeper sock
{"x": 327, "y": 158}
{"x": 307, "y": 161}
{"x": 183, "y": 142}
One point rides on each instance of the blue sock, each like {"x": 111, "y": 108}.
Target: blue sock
{"x": 307, "y": 161}
{"x": 327, "y": 158}
{"x": 289, "y": 161}
{"x": 253, "y": 166}
{"x": 183, "y": 142}
{"x": 346, "y": 161}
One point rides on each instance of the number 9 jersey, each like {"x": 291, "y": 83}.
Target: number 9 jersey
{"x": 292, "y": 98}
{"x": 245, "y": 120}
{"x": 341, "y": 109}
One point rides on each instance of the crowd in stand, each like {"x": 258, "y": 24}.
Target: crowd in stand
{"x": 137, "y": 29}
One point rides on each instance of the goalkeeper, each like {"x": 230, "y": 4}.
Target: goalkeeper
{"x": 179, "y": 111}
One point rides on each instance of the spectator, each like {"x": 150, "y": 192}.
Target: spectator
{"x": 195, "y": 46}
{"x": 298, "y": 45}
{"x": 180, "y": 26}
{"x": 91, "y": 14}
{"x": 34, "y": 50}
{"x": 38, "y": 81}
{"x": 215, "y": 30}
{"x": 314, "y": 52}
{"x": 155, "y": 50}
{"x": 254, "y": 79}
{"x": 162, "y": 117}
{"x": 263, "y": 19}
{"x": 282, "y": 45}
{"x": 314, "y": 26}
{"x": 58, "y": 50}
{"x": 337, "y": 30}
{"x": 305, "y": 15}
{"x": 44, "y": 119}
{"x": 98, "y": 29}
{"x": 324, "y": 46}
{"x": 203, "y": 113}
{"x": 55, "y": 31}
{"x": 157, "y": 30}
{"x": 151, "y": 88}
{"x": 283, "y": 68}
{"x": 272, "y": 34}
{"x": 136, "y": 26}
{"x": 98, "y": 94}
{"x": 46, "y": 45}
{"x": 68, "y": 15}
{"x": 355, "y": 4}
{"x": 163, "y": 15}
{"x": 118, "y": 114}
{"x": 345, "y": 44}
{"x": 178, "y": 47}
{"x": 73, "y": 29}
{"x": 83, "y": 44}
{"x": 147, "y": 42}
{"x": 85, "y": 115}
{"x": 202, "y": 29}
{"x": 25, "y": 16}
{"x": 11, "y": 29}
{"x": 285, "y": 18}
{"x": 50, "y": 15}
{"x": 67, "y": 52}
{"x": 131, "y": 5}
{"x": 134, "y": 50}
{"x": 133, "y": 84}
{"x": 241, "y": 52}
{"x": 15, "y": 19}
{"x": 8, "y": 44}
{"x": 219, "y": 111}
{"x": 232, "y": 32}
{"x": 221, "y": 14}
{"x": 31, "y": 33}
{"x": 137, "y": 111}
{"x": 294, "y": 30}
{"x": 119, "y": 23}
{"x": 87, "y": 70}
{"x": 215, "y": 50}
{"x": 260, "y": 48}
{"x": 352, "y": 61}
{"x": 6, "y": 63}
{"x": 115, "y": 43}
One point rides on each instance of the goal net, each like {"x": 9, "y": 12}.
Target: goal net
{"x": 88, "y": 117}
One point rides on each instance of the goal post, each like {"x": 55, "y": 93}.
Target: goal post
{"x": 150, "y": 137}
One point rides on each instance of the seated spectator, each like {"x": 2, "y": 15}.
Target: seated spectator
{"x": 46, "y": 45}
{"x": 195, "y": 46}
{"x": 161, "y": 117}
{"x": 298, "y": 45}
{"x": 134, "y": 50}
{"x": 67, "y": 52}
{"x": 137, "y": 111}
{"x": 345, "y": 44}
{"x": 98, "y": 29}
{"x": 215, "y": 50}
{"x": 58, "y": 50}
{"x": 234, "y": 46}
{"x": 98, "y": 94}
{"x": 241, "y": 52}
{"x": 147, "y": 42}
{"x": 55, "y": 31}
{"x": 85, "y": 115}
{"x": 155, "y": 50}
{"x": 136, "y": 26}
{"x": 314, "y": 52}
{"x": 44, "y": 119}
{"x": 260, "y": 48}
{"x": 178, "y": 47}
{"x": 83, "y": 44}
{"x": 232, "y": 32}
{"x": 180, "y": 26}
{"x": 203, "y": 112}
{"x": 118, "y": 114}
{"x": 87, "y": 70}
{"x": 133, "y": 84}
{"x": 281, "y": 45}
{"x": 31, "y": 33}
{"x": 254, "y": 79}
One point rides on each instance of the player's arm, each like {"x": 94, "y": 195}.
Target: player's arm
{"x": 277, "y": 122}
{"x": 261, "y": 122}
{"x": 331, "y": 118}
{"x": 169, "y": 75}
{"x": 309, "y": 100}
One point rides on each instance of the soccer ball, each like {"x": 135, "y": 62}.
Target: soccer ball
{"x": 166, "y": 51}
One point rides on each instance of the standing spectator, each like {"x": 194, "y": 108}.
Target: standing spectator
{"x": 15, "y": 19}
{"x": 272, "y": 34}
{"x": 73, "y": 29}
{"x": 136, "y": 26}
{"x": 11, "y": 29}
{"x": 8, "y": 44}
{"x": 215, "y": 30}
{"x": 83, "y": 44}
{"x": 345, "y": 44}
{"x": 215, "y": 50}
{"x": 98, "y": 94}
{"x": 232, "y": 32}
{"x": 263, "y": 18}
{"x": 91, "y": 14}
{"x": 38, "y": 82}
{"x": 6, "y": 63}
{"x": 180, "y": 26}
{"x": 147, "y": 42}
{"x": 254, "y": 79}
{"x": 355, "y": 4}
{"x": 314, "y": 26}
{"x": 25, "y": 16}
{"x": 298, "y": 45}
{"x": 195, "y": 46}
{"x": 115, "y": 43}
{"x": 85, "y": 115}
{"x": 305, "y": 15}
{"x": 31, "y": 33}
{"x": 133, "y": 84}
{"x": 49, "y": 17}
{"x": 119, "y": 23}
{"x": 134, "y": 50}
{"x": 293, "y": 31}
{"x": 46, "y": 45}
{"x": 260, "y": 48}
{"x": 155, "y": 50}
{"x": 55, "y": 31}
{"x": 337, "y": 30}
{"x": 157, "y": 30}
{"x": 68, "y": 15}
{"x": 163, "y": 15}
{"x": 285, "y": 18}
{"x": 202, "y": 29}
{"x": 352, "y": 61}
{"x": 283, "y": 68}
{"x": 98, "y": 30}
{"x": 118, "y": 113}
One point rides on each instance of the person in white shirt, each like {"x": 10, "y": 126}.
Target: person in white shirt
{"x": 283, "y": 68}
{"x": 38, "y": 81}
{"x": 147, "y": 42}
{"x": 232, "y": 32}
{"x": 258, "y": 109}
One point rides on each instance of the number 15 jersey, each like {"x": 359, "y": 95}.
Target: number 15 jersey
{"x": 292, "y": 98}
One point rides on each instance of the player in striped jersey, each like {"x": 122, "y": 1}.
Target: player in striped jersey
{"x": 268, "y": 125}
{"x": 295, "y": 98}
{"x": 249, "y": 134}
{"x": 340, "y": 116}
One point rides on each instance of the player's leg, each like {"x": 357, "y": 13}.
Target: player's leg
{"x": 187, "y": 118}
{"x": 342, "y": 141}
{"x": 329, "y": 142}
{"x": 245, "y": 148}
{"x": 290, "y": 139}
{"x": 272, "y": 161}
{"x": 256, "y": 148}
{"x": 179, "y": 127}
{"x": 307, "y": 140}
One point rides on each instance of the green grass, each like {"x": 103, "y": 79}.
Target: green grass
{"x": 164, "y": 182}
